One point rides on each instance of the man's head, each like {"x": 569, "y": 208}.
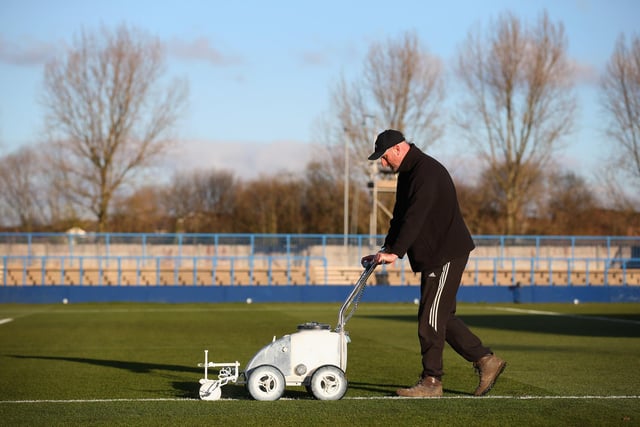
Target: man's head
{"x": 390, "y": 148}
{"x": 386, "y": 140}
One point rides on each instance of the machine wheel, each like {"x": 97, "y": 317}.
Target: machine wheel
{"x": 308, "y": 388}
{"x": 266, "y": 382}
{"x": 328, "y": 383}
{"x": 210, "y": 391}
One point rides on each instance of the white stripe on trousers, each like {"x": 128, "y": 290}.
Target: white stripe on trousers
{"x": 433, "y": 313}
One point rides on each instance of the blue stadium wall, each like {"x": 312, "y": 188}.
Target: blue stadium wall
{"x": 258, "y": 294}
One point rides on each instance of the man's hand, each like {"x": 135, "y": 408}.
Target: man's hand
{"x": 379, "y": 258}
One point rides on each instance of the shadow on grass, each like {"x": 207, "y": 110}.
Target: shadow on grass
{"x": 184, "y": 389}
{"x": 384, "y": 389}
{"x": 239, "y": 392}
{"x": 592, "y": 325}
{"x": 190, "y": 389}
{"x": 390, "y": 389}
{"x": 135, "y": 367}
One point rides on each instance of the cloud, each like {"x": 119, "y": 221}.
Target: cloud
{"x": 26, "y": 52}
{"x": 313, "y": 58}
{"x": 200, "y": 49}
{"x": 246, "y": 160}
{"x": 586, "y": 73}
{"x": 326, "y": 55}
{"x": 29, "y": 52}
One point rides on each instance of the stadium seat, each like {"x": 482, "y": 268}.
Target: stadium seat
{"x": 91, "y": 277}
{"x": 596, "y": 278}
{"x": 148, "y": 277}
{"x": 299, "y": 276}
{"x": 578, "y": 278}
{"x": 633, "y": 277}
{"x": 72, "y": 276}
{"x": 559, "y": 277}
{"x": 485, "y": 278}
{"x": 504, "y": 278}
{"x": 524, "y": 277}
{"x": 615, "y": 277}
{"x": 205, "y": 277}
{"x": 223, "y": 277}
{"x": 110, "y": 278}
{"x": 541, "y": 278}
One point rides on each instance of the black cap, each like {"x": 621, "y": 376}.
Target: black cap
{"x": 386, "y": 140}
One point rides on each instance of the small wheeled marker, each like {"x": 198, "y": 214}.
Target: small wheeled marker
{"x": 212, "y": 389}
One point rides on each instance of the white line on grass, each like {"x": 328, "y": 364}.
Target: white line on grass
{"x": 3, "y": 321}
{"x": 496, "y": 397}
{"x": 168, "y": 399}
{"x": 555, "y": 313}
{"x": 186, "y": 399}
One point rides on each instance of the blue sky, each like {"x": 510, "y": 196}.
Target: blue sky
{"x": 260, "y": 73}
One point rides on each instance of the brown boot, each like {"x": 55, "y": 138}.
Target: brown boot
{"x": 426, "y": 387}
{"x": 489, "y": 368}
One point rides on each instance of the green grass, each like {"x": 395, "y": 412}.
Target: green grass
{"x": 136, "y": 364}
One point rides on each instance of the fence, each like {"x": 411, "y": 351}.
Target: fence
{"x": 123, "y": 259}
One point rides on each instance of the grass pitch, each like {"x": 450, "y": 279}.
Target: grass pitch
{"x": 136, "y": 364}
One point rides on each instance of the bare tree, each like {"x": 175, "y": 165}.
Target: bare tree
{"x": 20, "y": 188}
{"x": 569, "y": 204}
{"x": 478, "y": 207}
{"x": 518, "y": 103}
{"x": 140, "y": 212}
{"x": 202, "y": 201}
{"x": 108, "y": 113}
{"x": 32, "y": 193}
{"x": 321, "y": 200}
{"x": 269, "y": 204}
{"x": 401, "y": 87}
{"x": 620, "y": 89}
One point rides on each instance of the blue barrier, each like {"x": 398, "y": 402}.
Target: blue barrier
{"x": 38, "y": 267}
{"x": 305, "y": 294}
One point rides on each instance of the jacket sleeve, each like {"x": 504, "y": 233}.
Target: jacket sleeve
{"x": 409, "y": 215}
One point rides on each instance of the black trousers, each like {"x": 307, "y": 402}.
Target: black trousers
{"x": 437, "y": 320}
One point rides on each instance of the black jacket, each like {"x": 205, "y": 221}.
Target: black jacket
{"x": 427, "y": 223}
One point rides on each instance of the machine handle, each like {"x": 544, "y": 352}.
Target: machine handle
{"x": 355, "y": 295}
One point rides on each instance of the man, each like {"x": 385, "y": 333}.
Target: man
{"x": 428, "y": 226}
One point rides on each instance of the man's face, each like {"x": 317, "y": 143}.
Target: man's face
{"x": 392, "y": 158}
